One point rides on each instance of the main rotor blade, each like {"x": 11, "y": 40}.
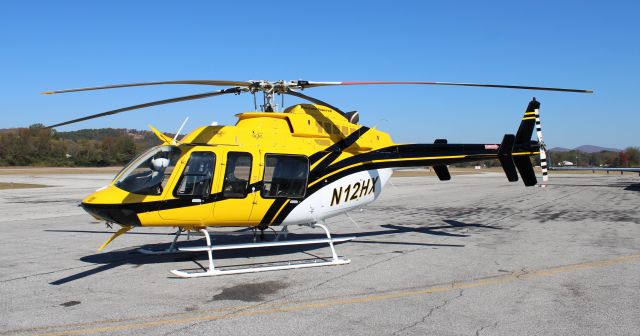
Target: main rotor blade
{"x": 313, "y": 100}
{"x": 155, "y": 103}
{"x": 306, "y": 84}
{"x": 193, "y": 82}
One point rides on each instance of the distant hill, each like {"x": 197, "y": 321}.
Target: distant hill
{"x": 595, "y": 149}
{"x": 585, "y": 149}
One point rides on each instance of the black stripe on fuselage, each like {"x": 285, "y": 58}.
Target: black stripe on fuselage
{"x": 411, "y": 154}
{"x": 417, "y": 151}
{"x": 423, "y": 156}
{"x": 324, "y": 159}
{"x": 167, "y": 204}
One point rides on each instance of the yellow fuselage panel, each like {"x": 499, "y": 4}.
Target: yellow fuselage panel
{"x": 301, "y": 129}
{"x": 115, "y": 195}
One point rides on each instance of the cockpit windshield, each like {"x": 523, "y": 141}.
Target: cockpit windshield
{"x": 149, "y": 173}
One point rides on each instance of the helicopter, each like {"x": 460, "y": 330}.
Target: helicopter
{"x": 297, "y": 166}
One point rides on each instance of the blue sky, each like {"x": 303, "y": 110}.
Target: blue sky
{"x": 48, "y": 45}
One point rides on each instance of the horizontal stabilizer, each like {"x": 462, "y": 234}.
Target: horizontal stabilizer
{"x": 441, "y": 170}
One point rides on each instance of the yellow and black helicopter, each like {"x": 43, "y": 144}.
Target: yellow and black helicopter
{"x": 299, "y": 166}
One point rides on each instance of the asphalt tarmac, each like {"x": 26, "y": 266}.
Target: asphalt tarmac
{"x": 473, "y": 256}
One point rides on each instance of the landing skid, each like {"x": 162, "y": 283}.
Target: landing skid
{"x": 211, "y": 271}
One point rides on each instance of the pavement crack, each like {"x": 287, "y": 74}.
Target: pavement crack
{"x": 493, "y": 325}
{"x": 429, "y": 313}
{"x": 523, "y": 272}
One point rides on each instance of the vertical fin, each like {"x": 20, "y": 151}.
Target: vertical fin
{"x": 523, "y": 143}
{"x": 525, "y": 168}
{"x": 528, "y": 122}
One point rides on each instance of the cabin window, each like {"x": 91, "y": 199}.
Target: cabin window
{"x": 236, "y": 175}
{"x": 285, "y": 176}
{"x": 197, "y": 176}
{"x": 148, "y": 174}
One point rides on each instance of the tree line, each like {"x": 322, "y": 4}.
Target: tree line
{"x": 630, "y": 157}
{"x": 40, "y": 146}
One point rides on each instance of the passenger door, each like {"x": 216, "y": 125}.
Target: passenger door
{"x": 284, "y": 181}
{"x": 236, "y": 199}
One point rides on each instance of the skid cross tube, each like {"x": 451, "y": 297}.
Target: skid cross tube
{"x": 209, "y": 248}
{"x": 172, "y": 248}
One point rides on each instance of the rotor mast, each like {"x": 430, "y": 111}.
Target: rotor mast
{"x": 269, "y": 90}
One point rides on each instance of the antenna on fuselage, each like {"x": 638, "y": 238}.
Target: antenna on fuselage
{"x": 175, "y": 138}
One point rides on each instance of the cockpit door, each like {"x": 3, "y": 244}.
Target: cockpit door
{"x": 190, "y": 198}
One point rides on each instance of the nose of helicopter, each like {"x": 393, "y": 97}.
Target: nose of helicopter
{"x": 108, "y": 204}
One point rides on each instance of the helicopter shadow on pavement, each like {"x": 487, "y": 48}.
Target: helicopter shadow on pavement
{"x": 633, "y": 187}
{"x": 443, "y": 230}
{"x": 131, "y": 256}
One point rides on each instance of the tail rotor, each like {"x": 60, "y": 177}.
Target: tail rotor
{"x": 543, "y": 147}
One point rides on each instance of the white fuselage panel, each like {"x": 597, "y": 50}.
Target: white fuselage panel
{"x": 348, "y": 193}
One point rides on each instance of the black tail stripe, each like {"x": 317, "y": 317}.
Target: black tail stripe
{"x": 417, "y": 151}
